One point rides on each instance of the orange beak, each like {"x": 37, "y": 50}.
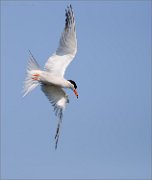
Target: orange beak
{"x": 75, "y": 92}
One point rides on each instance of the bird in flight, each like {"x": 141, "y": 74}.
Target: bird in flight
{"x": 51, "y": 79}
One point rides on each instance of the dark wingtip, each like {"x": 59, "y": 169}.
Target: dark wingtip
{"x": 55, "y": 146}
{"x": 56, "y": 142}
{"x": 29, "y": 51}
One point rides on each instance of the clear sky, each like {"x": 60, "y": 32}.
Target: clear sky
{"x": 106, "y": 133}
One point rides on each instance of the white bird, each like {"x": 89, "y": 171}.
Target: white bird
{"x": 52, "y": 79}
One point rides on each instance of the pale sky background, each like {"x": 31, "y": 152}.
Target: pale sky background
{"x": 106, "y": 133}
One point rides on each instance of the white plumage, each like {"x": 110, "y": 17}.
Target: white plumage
{"x": 52, "y": 78}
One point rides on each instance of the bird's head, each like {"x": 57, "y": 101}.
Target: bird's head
{"x": 73, "y": 86}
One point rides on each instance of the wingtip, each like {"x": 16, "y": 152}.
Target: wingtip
{"x": 69, "y": 7}
{"x": 29, "y": 51}
{"x": 56, "y": 143}
{"x": 55, "y": 147}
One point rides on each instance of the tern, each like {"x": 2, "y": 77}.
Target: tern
{"x": 51, "y": 79}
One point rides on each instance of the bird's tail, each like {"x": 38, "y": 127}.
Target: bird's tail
{"x": 32, "y": 75}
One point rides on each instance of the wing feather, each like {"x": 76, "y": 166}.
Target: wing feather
{"x": 67, "y": 49}
{"x": 58, "y": 98}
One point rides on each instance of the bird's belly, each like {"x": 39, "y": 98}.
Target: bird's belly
{"x": 48, "y": 78}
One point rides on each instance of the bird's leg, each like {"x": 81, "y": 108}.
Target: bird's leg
{"x": 35, "y": 77}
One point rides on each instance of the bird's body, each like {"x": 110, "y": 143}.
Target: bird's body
{"x": 52, "y": 79}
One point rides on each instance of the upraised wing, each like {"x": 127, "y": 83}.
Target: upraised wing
{"x": 58, "y": 98}
{"x": 67, "y": 49}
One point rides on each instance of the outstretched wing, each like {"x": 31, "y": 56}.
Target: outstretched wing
{"x": 67, "y": 49}
{"x": 58, "y": 98}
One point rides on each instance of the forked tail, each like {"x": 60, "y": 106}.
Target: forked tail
{"x": 32, "y": 75}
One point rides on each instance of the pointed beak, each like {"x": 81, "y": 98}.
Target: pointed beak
{"x": 75, "y": 92}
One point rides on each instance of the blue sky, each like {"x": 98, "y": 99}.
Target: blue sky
{"x": 106, "y": 133}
